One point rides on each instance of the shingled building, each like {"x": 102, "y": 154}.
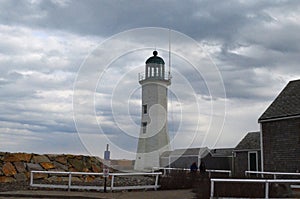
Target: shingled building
{"x": 246, "y": 155}
{"x": 280, "y": 131}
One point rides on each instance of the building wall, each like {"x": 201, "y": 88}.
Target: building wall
{"x": 183, "y": 162}
{"x": 241, "y": 162}
{"x": 281, "y": 145}
{"x": 217, "y": 163}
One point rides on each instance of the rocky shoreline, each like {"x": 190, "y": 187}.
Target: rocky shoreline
{"x": 16, "y": 167}
{"x": 15, "y": 171}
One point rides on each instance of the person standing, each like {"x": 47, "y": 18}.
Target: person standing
{"x": 202, "y": 168}
{"x": 194, "y": 167}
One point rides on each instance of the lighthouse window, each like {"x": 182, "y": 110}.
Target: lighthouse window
{"x": 145, "y": 109}
{"x": 144, "y": 126}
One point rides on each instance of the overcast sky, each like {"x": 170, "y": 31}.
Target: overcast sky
{"x": 69, "y": 70}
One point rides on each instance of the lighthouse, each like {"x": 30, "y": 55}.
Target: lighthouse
{"x": 154, "y": 136}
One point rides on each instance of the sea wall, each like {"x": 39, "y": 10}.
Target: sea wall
{"x": 16, "y": 167}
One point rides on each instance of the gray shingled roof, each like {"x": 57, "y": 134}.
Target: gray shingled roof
{"x": 223, "y": 152}
{"x": 249, "y": 142}
{"x": 186, "y": 152}
{"x": 286, "y": 104}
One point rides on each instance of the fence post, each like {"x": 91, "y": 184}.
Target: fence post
{"x": 267, "y": 189}
{"x": 69, "y": 181}
{"x": 211, "y": 188}
{"x": 112, "y": 182}
{"x": 156, "y": 181}
{"x": 31, "y": 178}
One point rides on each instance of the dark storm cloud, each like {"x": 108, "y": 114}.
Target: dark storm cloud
{"x": 255, "y": 45}
{"x": 199, "y": 19}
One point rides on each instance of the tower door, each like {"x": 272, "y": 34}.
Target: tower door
{"x": 252, "y": 161}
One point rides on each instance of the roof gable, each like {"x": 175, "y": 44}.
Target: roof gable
{"x": 286, "y": 104}
{"x": 249, "y": 142}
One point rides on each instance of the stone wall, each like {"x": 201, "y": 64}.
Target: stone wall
{"x": 16, "y": 167}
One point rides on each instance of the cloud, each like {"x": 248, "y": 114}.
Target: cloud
{"x": 250, "y": 46}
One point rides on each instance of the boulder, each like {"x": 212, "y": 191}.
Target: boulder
{"x": 96, "y": 168}
{"x": 40, "y": 176}
{"x": 61, "y": 159}
{"x": 47, "y": 165}
{"x": 89, "y": 179}
{"x": 21, "y": 177}
{"x": 54, "y": 179}
{"x": 2, "y": 156}
{"x": 8, "y": 169}
{"x": 40, "y": 158}
{"x": 60, "y": 166}
{"x": 34, "y": 167}
{"x": 6, "y": 179}
{"x": 17, "y": 157}
{"x": 20, "y": 166}
{"x": 51, "y": 156}
{"x": 77, "y": 164}
{"x": 74, "y": 179}
{"x": 88, "y": 162}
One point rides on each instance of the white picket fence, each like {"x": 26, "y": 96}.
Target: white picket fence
{"x": 274, "y": 174}
{"x": 209, "y": 171}
{"x": 70, "y": 186}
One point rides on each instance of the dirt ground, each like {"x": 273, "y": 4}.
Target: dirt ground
{"x": 172, "y": 194}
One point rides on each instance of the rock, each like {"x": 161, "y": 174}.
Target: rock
{"x": 21, "y": 177}
{"x": 17, "y": 157}
{"x": 89, "y": 179}
{"x": 54, "y": 179}
{"x": 72, "y": 169}
{"x": 77, "y": 164}
{"x": 20, "y": 166}
{"x": 51, "y": 156}
{"x": 61, "y": 159}
{"x": 6, "y": 179}
{"x": 60, "y": 166}
{"x": 40, "y": 158}
{"x": 2, "y": 156}
{"x": 8, "y": 169}
{"x": 40, "y": 176}
{"x": 96, "y": 168}
{"x": 74, "y": 179}
{"x": 47, "y": 165}
{"x": 34, "y": 167}
{"x": 79, "y": 157}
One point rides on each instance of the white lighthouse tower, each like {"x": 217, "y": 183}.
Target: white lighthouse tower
{"x": 154, "y": 136}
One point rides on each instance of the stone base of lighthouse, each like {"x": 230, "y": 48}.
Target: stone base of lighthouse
{"x": 147, "y": 161}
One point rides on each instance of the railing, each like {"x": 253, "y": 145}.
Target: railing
{"x": 165, "y": 76}
{"x": 185, "y": 169}
{"x": 69, "y": 186}
{"x": 166, "y": 169}
{"x": 266, "y": 181}
{"x": 275, "y": 174}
